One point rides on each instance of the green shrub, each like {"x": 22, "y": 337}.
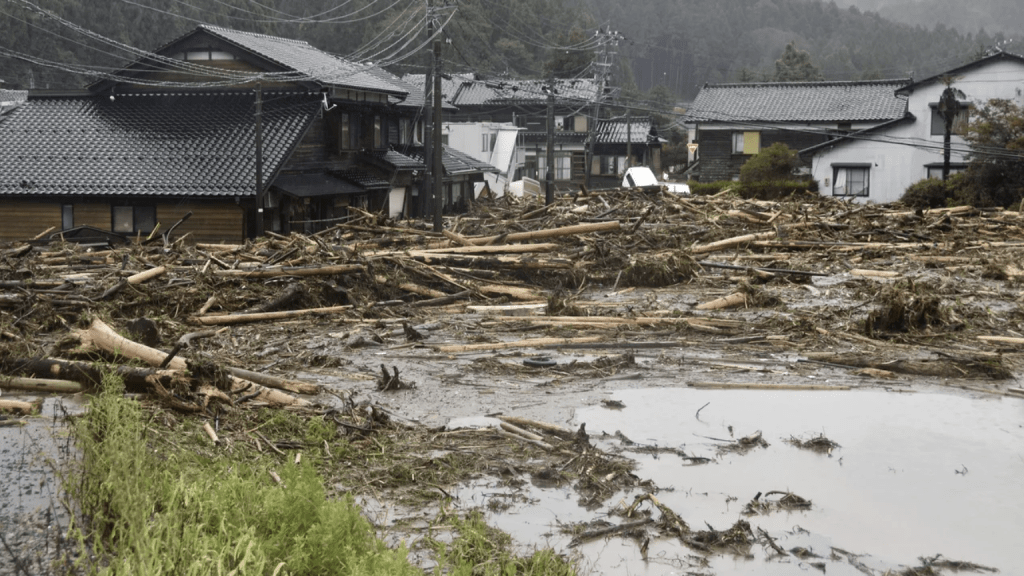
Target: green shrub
{"x": 711, "y": 188}
{"x": 776, "y": 162}
{"x": 777, "y": 189}
{"x": 927, "y": 193}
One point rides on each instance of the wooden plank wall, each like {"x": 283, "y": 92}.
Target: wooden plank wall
{"x": 210, "y": 221}
{"x": 24, "y": 220}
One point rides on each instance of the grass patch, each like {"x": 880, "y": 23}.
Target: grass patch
{"x": 188, "y": 513}
{"x": 480, "y": 550}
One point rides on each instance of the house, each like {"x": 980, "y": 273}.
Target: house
{"x": 493, "y": 143}
{"x": 879, "y": 163}
{"x": 735, "y": 121}
{"x": 621, "y": 143}
{"x": 178, "y": 131}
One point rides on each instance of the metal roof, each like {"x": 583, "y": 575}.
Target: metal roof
{"x": 800, "y": 102}
{"x": 177, "y": 144}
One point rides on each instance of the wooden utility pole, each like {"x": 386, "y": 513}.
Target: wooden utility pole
{"x": 629, "y": 137}
{"x": 595, "y": 113}
{"x": 549, "y": 178}
{"x": 438, "y": 146}
{"x": 260, "y": 225}
{"x": 426, "y": 193}
{"x": 948, "y": 108}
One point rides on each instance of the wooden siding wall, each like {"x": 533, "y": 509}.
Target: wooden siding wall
{"x": 25, "y": 220}
{"x": 717, "y": 162}
{"x": 210, "y": 221}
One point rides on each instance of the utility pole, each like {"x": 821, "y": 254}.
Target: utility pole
{"x": 549, "y": 178}
{"x": 260, "y": 225}
{"x": 438, "y": 146}
{"x": 428, "y": 125}
{"x": 629, "y": 137}
{"x": 595, "y": 113}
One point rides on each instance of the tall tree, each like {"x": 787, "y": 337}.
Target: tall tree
{"x": 795, "y": 66}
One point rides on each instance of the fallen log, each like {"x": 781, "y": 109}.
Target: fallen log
{"x": 17, "y": 406}
{"x": 528, "y": 343}
{"x": 755, "y": 386}
{"x": 874, "y": 273}
{"x": 89, "y": 374}
{"x": 731, "y": 301}
{"x": 262, "y": 316}
{"x": 536, "y": 443}
{"x": 608, "y": 530}
{"x": 553, "y": 428}
{"x": 547, "y": 233}
{"x": 296, "y": 386}
{"x": 40, "y": 384}
{"x": 146, "y": 275}
{"x": 292, "y": 271}
{"x": 103, "y": 337}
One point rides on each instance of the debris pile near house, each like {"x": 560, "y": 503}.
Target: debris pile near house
{"x": 912, "y": 271}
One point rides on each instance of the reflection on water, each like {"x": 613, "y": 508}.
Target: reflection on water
{"x": 916, "y": 475}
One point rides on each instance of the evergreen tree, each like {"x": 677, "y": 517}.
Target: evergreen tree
{"x": 795, "y": 66}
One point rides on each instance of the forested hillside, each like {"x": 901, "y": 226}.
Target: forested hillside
{"x": 676, "y": 44}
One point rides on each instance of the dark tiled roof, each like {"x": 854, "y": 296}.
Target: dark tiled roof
{"x": 363, "y": 179}
{"x": 616, "y": 131}
{"x": 316, "y": 64}
{"x": 397, "y": 160}
{"x": 560, "y": 136}
{"x": 455, "y": 162}
{"x": 800, "y": 102}
{"x": 313, "y": 185}
{"x": 151, "y": 145}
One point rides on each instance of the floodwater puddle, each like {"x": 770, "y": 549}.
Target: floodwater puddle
{"x": 914, "y": 475}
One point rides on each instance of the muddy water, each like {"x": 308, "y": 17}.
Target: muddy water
{"x": 916, "y": 475}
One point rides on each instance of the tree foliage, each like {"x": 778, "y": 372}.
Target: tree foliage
{"x": 995, "y": 176}
{"x": 795, "y": 66}
{"x": 776, "y": 162}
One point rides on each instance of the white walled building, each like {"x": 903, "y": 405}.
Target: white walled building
{"x": 490, "y": 142}
{"x": 878, "y": 164}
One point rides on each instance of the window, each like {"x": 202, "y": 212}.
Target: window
{"x": 133, "y": 219}
{"x": 488, "y": 141}
{"x": 378, "y": 133}
{"x": 746, "y": 143}
{"x": 935, "y": 170}
{"x": 963, "y": 116}
{"x": 67, "y": 216}
{"x": 404, "y": 131}
{"x": 563, "y": 166}
{"x": 348, "y": 132}
{"x": 851, "y": 180}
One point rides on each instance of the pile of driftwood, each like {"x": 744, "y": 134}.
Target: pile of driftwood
{"x": 505, "y": 255}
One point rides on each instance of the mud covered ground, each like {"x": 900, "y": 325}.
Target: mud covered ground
{"x": 421, "y": 342}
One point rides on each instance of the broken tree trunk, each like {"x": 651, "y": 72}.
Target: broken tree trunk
{"x": 103, "y": 337}
{"x": 528, "y": 343}
{"x": 89, "y": 374}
